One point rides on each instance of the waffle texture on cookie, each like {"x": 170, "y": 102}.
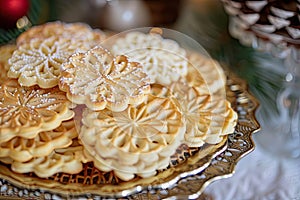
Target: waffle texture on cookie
{"x": 163, "y": 59}
{"x": 136, "y": 141}
{"x": 99, "y": 80}
{"x": 26, "y": 111}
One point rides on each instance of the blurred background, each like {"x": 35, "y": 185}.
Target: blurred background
{"x": 207, "y": 22}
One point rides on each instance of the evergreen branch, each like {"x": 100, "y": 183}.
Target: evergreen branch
{"x": 263, "y": 72}
{"x": 34, "y": 16}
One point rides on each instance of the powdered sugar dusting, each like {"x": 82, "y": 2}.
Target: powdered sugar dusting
{"x": 24, "y": 111}
{"x": 39, "y": 60}
{"x": 100, "y": 80}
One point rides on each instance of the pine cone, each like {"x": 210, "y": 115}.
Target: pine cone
{"x": 275, "y": 21}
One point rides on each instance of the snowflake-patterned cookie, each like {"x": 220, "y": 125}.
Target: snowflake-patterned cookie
{"x": 163, "y": 59}
{"x": 39, "y": 60}
{"x": 26, "y": 111}
{"x": 136, "y": 141}
{"x": 100, "y": 81}
{"x": 22, "y": 149}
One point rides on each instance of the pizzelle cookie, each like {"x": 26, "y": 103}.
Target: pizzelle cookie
{"x": 38, "y": 62}
{"x": 26, "y": 111}
{"x": 163, "y": 59}
{"x": 203, "y": 71}
{"x": 136, "y": 141}
{"x": 207, "y": 119}
{"x": 223, "y": 121}
{"x": 77, "y": 31}
{"x": 194, "y": 107}
{"x": 97, "y": 79}
{"x": 219, "y": 118}
{"x": 22, "y": 149}
{"x": 67, "y": 160}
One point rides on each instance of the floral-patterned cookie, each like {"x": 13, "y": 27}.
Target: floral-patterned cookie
{"x": 38, "y": 62}
{"x": 26, "y": 111}
{"x": 163, "y": 59}
{"x": 207, "y": 119}
{"x": 99, "y": 80}
{"x": 136, "y": 141}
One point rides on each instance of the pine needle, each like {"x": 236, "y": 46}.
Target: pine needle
{"x": 263, "y": 73}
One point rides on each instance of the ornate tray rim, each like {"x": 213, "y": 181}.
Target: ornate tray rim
{"x": 163, "y": 180}
{"x": 191, "y": 185}
{"x": 220, "y": 166}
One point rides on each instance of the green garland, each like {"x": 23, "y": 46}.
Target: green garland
{"x": 263, "y": 73}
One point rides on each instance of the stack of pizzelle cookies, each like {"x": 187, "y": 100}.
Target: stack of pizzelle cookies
{"x": 38, "y": 133}
{"x": 141, "y": 100}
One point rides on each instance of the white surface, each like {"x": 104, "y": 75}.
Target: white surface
{"x": 260, "y": 176}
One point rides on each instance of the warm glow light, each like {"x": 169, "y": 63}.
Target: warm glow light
{"x": 23, "y": 22}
